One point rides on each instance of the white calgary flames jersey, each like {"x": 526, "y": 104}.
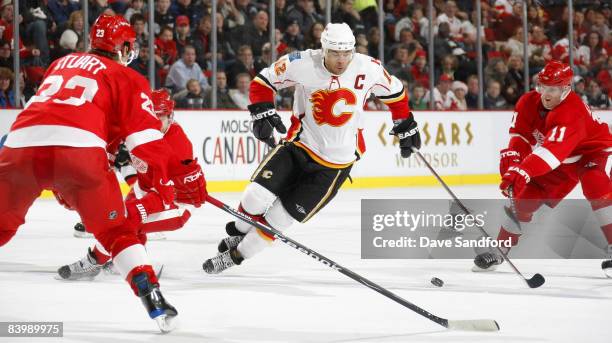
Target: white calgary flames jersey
{"x": 327, "y": 108}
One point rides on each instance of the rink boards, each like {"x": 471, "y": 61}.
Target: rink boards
{"x": 461, "y": 146}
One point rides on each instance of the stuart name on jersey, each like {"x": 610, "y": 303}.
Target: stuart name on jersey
{"x": 327, "y": 108}
{"x": 86, "y": 62}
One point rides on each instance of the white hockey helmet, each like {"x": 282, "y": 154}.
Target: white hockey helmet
{"x": 337, "y": 37}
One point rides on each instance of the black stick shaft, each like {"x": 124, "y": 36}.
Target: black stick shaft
{"x": 326, "y": 261}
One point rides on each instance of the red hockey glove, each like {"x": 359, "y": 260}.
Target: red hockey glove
{"x": 190, "y": 186}
{"x": 508, "y": 158}
{"x": 516, "y": 178}
{"x": 165, "y": 190}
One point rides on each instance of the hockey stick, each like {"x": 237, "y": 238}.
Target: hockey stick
{"x": 465, "y": 325}
{"x": 535, "y": 281}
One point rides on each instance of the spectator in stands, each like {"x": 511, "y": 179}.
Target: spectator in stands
{"x": 493, "y": 100}
{"x": 192, "y": 97}
{"x": 448, "y": 66}
{"x": 139, "y": 25}
{"x": 163, "y": 15}
{"x": 373, "y": 40}
{"x": 245, "y": 63}
{"x": 293, "y": 37}
{"x": 444, "y": 98}
{"x": 539, "y": 48}
{"x": 136, "y": 6}
{"x": 514, "y": 45}
{"x": 166, "y": 46}
{"x": 254, "y": 34}
{"x": 232, "y": 15}
{"x": 313, "y": 36}
{"x": 185, "y": 69}
{"x": 141, "y": 64}
{"x": 401, "y": 63}
{"x": 192, "y": 10}
{"x": 240, "y": 95}
{"x": 305, "y": 14}
{"x": 6, "y": 57}
{"x": 449, "y": 16}
{"x": 36, "y": 19}
{"x": 460, "y": 90}
{"x": 417, "y": 100}
{"x": 600, "y": 26}
{"x": 580, "y": 88}
{"x": 534, "y": 16}
{"x": 346, "y": 13}
{"x": 496, "y": 70}
{"x": 281, "y": 13}
{"x": 96, "y": 8}
{"x": 471, "y": 98}
{"x": 224, "y": 101}
{"x": 247, "y": 9}
{"x": 419, "y": 69}
{"x": 183, "y": 33}
{"x": 265, "y": 60}
{"x": 597, "y": 54}
{"x": 7, "y": 97}
{"x": 514, "y": 82}
{"x": 368, "y": 11}
{"x": 604, "y": 77}
{"x": 506, "y": 24}
{"x": 73, "y": 34}
{"x": 597, "y": 99}
{"x": 61, "y": 9}
{"x": 443, "y": 45}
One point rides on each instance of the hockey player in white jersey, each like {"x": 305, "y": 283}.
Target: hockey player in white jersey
{"x": 304, "y": 172}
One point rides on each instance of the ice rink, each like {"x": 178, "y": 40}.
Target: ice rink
{"x": 284, "y": 296}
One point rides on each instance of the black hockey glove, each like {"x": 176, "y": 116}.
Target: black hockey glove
{"x": 122, "y": 158}
{"x": 265, "y": 120}
{"x": 408, "y": 133}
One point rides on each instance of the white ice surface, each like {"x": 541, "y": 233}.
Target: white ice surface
{"x": 284, "y": 296}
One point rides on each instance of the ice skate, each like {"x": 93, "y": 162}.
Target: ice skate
{"x": 157, "y": 307}
{"x": 222, "y": 261}
{"x": 86, "y": 269}
{"x": 80, "y": 232}
{"x": 606, "y": 265}
{"x": 487, "y": 262}
{"x": 234, "y": 238}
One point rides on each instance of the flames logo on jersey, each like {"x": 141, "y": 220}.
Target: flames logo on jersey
{"x": 323, "y": 103}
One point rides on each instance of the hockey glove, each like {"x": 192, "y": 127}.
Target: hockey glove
{"x": 508, "y": 158}
{"x": 122, "y": 158}
{"x": 516, "y": 178}
{"x": 408, "y": 133}
{"x": 265, "y": 120}
{"x": 190, "y": 186}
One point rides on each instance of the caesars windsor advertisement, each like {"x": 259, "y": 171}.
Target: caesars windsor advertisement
{"x": 455, "y": 143}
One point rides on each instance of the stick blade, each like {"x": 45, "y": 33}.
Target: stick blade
{"x": 473, "y": 325}
{"x": 536, "y": 281}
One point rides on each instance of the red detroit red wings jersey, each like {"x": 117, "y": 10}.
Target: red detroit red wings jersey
{"x": 87, "y": 100}
{"x": 182, "y": 150}
{"x": 562, "y": 135}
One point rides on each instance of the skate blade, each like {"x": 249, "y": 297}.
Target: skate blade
{"x": 89, "y": 278}
{"x": 608, "y": 272}
{"x": 166, "y": 323}
{"x": 79, "y": 234}
{"x": 477, "y": 269}
{"x": 156, "y": 236}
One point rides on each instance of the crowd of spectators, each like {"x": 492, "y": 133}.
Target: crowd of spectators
{"x": 50, "y": 29}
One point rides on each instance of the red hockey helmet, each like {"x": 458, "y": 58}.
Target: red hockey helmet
{"x": 555, "y": 73}
{"x": 111, "y": 33}
{"x": 163, "y": 105}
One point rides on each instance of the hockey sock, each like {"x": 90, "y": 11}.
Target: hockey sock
{"x": 102, "y": 256}
{"x": 505, "y": 235}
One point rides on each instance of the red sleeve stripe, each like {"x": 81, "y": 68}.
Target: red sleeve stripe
{"x": 361, "y": 146}
{"x": 295, "y": 129}
{"x": 399, "y": 96}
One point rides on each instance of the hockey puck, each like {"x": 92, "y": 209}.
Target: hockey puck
{"x": 437, "y": 282}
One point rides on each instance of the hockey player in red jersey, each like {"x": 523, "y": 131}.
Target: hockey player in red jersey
{"x": 59, "y": 141}
{"x": 555, "y": 143}
{"x": 303, "y": 174}
{"x": 145, "y": 207}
